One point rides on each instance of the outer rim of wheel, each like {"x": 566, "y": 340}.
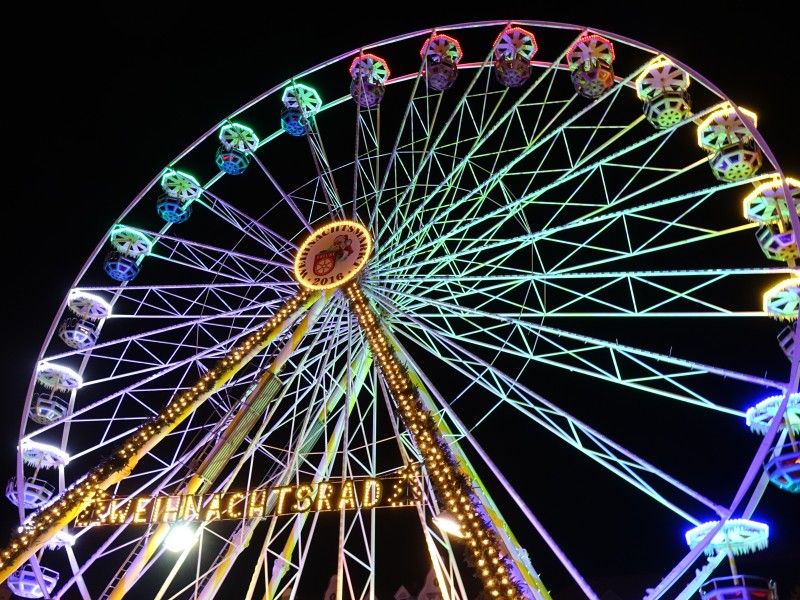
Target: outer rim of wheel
{"x": 310, "y": 72}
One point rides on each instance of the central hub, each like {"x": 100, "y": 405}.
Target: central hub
{"x": 332, "y": 255}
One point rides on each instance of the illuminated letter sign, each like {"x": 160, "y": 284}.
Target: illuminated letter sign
{"x": 325, "y": 496}
{"x": 332, "y": 255}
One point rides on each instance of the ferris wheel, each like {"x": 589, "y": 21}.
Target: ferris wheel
{"x": 480, "y": 276}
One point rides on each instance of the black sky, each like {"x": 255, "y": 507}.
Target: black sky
{"x": 101, "y": 101}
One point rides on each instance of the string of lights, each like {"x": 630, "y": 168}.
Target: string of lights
{"x": 451, "y": 485}
{"x": 42, "y": 525}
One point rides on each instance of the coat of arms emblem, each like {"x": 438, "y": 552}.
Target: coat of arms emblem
{"x": 325, "y": 261}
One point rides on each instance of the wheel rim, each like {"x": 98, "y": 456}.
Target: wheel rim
{"x": 490, "y": 262}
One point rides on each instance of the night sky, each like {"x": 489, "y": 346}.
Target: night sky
{"x": 99, "y": 106}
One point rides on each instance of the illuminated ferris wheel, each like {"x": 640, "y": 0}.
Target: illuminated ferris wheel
{"x": 488, "y": 283}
